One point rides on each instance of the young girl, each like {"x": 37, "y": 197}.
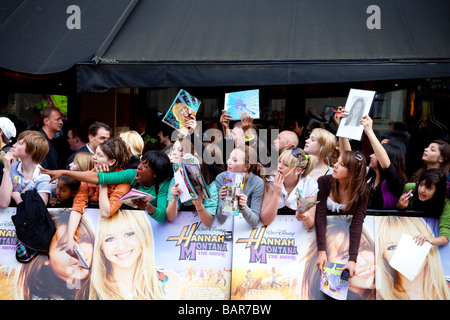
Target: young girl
{"x": 110, "y": 155}
{"x": 151, "y": 176}
{"x": 82, "y": 162}
{"x": 429, "y": 197}
{"x": 345, "y": 192}
{"x": 387, "y": 168}
{"x": 206, "y": 208}
{"x": 135, "y": 145}
{"x": 321, "y": 143}
{"x": 243, "y": 159}
{"x": 294, "y": 167}
{"x": 66, "y": 190}
{"x": 435, "y": 156}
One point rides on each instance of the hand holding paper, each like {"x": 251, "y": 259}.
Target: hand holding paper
{"x": 409, "y": 257}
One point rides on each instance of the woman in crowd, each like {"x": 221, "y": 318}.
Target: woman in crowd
{"x": 345, "y": 192}
{"x": 435, "y": 156}
{"x": 294, "y": 168}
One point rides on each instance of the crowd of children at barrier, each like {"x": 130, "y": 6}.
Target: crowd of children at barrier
{"x": 324, "y": 168}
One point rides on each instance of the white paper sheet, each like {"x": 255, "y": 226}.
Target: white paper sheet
{"x": 409, "y": 257}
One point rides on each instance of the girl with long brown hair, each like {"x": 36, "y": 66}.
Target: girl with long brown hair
{"x": 345, "y": 192}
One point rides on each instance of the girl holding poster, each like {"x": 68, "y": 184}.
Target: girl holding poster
{"x": 294, "y": 165}
{"x": 344, "y": 192}
{"x": 206, "y": 208}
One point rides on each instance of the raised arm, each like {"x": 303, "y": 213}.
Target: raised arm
{"x": 344, "y": 143}
{"x": 380, "y": 152}
{"x": 83, "y": 176}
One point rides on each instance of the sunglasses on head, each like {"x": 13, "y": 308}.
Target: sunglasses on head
{"x": 297, "y": 152}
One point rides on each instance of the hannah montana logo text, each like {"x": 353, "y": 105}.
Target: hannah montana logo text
{"x": 190, "y": 243}
{"x": 260, "y": 246}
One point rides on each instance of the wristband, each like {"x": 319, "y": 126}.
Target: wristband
{"x": 249, "y": 139}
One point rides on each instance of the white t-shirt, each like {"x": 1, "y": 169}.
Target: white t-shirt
{"x": 308, "y": 187}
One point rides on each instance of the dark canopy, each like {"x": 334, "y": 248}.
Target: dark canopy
{"x": 173, "y": 43}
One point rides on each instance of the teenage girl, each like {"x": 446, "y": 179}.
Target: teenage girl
{"x": 206, "y": 208}
{"x": 294, "y": 166}
{"x": 321, "y": 143}
{"x": 345, "y": 192}
{"x": 429, "y": 196}
{"x": 243, "y": 159}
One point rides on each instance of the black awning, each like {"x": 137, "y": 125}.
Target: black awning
{"x": 173, "y": 43}
{"x": 35, "y": 39}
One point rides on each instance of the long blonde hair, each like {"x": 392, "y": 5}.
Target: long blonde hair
{"x": 388, "y": 282}
{"x": 145, "y": 280}
{"x": 327, "y": 142}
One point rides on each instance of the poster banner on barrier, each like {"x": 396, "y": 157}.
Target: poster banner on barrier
{"x": 57, "y": 277}
{"x": 200, "y": 255}
{"x": 266, "y": 258}
{"x": 119, "y": 251}
{"x": 432, "y": 280}
{"x": 279, "y": 261}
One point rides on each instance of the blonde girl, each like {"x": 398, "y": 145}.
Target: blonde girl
{"x": 132, "y": 276}
{"x": 183, "y": 114}
{"x": 243, "y": 159}
{"x": 135, "y": 145}
{"x": 82, "y": 162}
{"x": 294, "y": 167}
{"x": 322, "y": 144}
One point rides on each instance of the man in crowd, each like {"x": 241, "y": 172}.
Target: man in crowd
{"x": 97, "y": 133}
{"x": 51, "y": 125}
{"x": 285, "y": 140}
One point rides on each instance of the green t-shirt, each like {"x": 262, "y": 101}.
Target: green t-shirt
{"x": 127, "y": 176}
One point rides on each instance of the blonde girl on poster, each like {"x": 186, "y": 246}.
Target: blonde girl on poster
{"x": 361, "y": 285}
{"x": 429, "y": 284}
{"x": 123, "y": 267}
{"x": 183, "y": 114}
